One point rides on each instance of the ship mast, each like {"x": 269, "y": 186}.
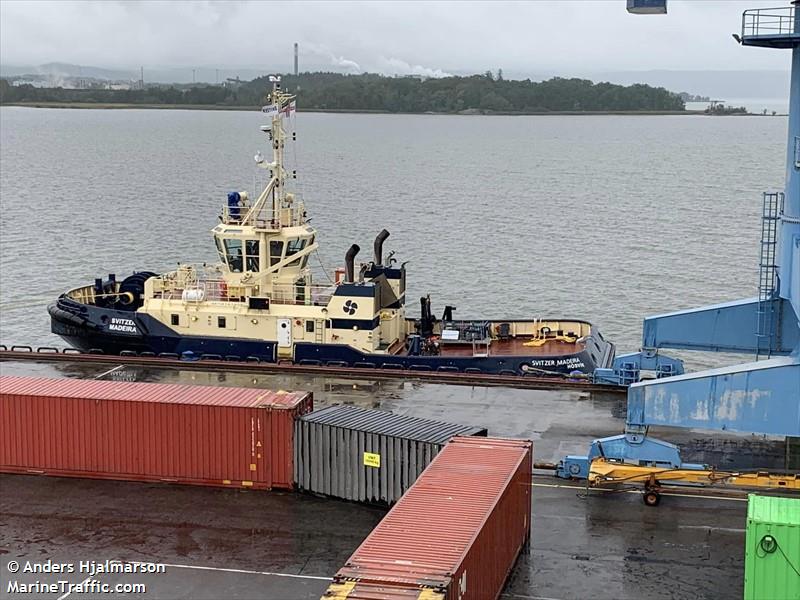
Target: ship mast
{"x": 268, "y": 240}
{"x": 275, "y": 207}
{"x": 280, "y": 104}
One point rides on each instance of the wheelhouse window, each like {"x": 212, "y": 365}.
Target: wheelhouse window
{"x": 220, "y": 250}
{"x": 295, "y": 246}
{"x": 275, "y": 253}
{"x": 251, "y": 255}
{"x": 233, "y": 255}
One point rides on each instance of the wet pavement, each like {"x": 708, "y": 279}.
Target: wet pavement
{"x": 260, "y": 532}
{"x": 283, "y": 546}
{"x": 277, "y": 545}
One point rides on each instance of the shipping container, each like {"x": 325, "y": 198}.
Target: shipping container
{"x": 772, "y": 548}
{"x": 367, "y": 455}
{"x": 149, "y": 432}
{"x": 456, "y": 533}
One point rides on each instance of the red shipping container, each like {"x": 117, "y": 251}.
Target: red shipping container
{"x": 200, "y": 435}
{"x": 456, "y": 532}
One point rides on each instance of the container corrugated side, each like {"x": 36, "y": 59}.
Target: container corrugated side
{"x": 460, "y": 527}
{"x": 367, "y": 455}
{"x": 388, "y": 423}
{"x": 149, "y": 432}
{"x": 772, "y": 548}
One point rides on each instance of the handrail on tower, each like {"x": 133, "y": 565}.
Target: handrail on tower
{"x": 772, "y": 27}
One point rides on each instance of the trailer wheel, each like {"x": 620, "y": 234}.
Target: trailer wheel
{"x": 651, "y": 498}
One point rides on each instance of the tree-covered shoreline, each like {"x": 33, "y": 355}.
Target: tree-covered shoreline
{"x": 376, "y": 93}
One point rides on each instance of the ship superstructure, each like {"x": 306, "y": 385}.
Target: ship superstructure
{"x": 263, "y": 288}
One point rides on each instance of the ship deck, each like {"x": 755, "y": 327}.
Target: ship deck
{"x": 514, "y": 347}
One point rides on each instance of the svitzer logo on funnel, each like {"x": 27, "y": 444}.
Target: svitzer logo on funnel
{"x": 350, "y": 307}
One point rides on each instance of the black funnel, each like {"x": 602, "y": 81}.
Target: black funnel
{"x": 379, "y": 246}
{"x": 349, "y": 261}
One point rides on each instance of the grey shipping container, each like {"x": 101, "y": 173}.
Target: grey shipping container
{"x": 367, "y": 455}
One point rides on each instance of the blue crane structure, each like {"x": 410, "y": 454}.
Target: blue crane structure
{"x": 758, "y": 397}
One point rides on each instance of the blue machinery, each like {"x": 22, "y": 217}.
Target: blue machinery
{"x": 757, "y": 397}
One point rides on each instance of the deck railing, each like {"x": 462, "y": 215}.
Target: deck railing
{"x": 768, "y": 21}
{"x": 193, "y": 283}
{"x": 199, "y": 285}
{"x": 265, "y": 217}
{"x": 308, "y": 295}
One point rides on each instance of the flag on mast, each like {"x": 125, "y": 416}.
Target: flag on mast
{"x": 289, "y": 108}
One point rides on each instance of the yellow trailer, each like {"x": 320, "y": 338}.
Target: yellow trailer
{"x": 604, "y": 473}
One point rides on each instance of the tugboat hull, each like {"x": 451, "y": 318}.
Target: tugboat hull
{"x": 91, "y": 329}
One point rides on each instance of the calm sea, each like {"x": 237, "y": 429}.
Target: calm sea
{"x": 606, "y": 218}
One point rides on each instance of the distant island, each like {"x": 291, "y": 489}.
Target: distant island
{"x": 718, "y": 107}
{"x": 477, "y": 94}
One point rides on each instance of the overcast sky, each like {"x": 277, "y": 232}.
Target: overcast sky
{"x": 566, "y": 36}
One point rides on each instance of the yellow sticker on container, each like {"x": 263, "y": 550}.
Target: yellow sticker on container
{"x": 372, "y": 460}
{"x": 429, "y": 594}
{"x": 339, "y": 591}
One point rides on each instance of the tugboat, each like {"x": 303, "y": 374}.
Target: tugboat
{"x": 259, "y": 302}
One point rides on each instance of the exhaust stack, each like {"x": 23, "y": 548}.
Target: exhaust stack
{"x": 379, "y": 246}
{"x": 349, "y": 264}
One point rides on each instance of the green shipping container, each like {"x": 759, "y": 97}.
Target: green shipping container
{"x": 772, "y": 549}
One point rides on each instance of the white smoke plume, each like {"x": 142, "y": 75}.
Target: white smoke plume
{"x": 325, "y": 53}
{"x": 397, "y": 66}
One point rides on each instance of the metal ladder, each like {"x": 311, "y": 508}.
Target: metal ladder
{"x": 768, "y": 273}
{"x": 319, "y": 331}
